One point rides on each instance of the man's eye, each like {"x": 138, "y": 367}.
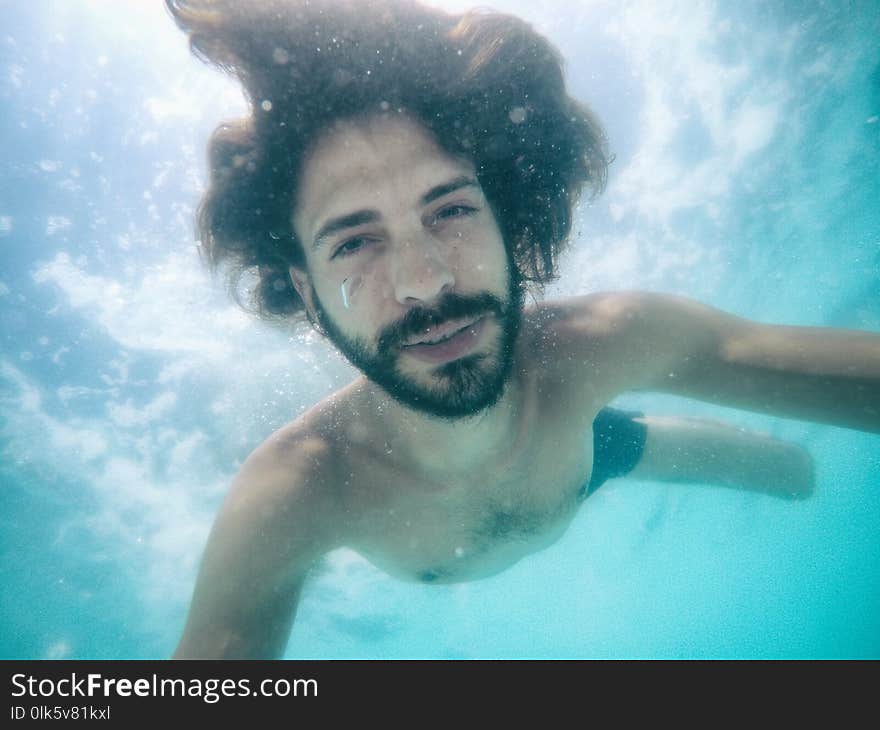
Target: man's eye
{"x": 352, "y": 245}
{"x": 454, "y": 211}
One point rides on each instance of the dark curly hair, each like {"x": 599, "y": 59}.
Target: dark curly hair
{"x": 485, "y": 84}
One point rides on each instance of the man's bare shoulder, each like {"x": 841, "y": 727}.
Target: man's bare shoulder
{"x": 581, "y": 343}
{"x": 311, "y": 442}
{"x": 290, "y": 475}
{"x": 584, "y": 327}
{"x": 297, "y": 446}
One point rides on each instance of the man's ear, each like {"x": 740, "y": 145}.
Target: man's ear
{"x": 303, "y": 286}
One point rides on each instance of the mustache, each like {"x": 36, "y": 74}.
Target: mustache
{"x": 452, "y": 306}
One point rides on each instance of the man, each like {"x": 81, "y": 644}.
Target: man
{"x": 404, "y": 178}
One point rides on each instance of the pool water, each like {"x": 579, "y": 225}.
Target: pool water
{"x": 747, "y": 174}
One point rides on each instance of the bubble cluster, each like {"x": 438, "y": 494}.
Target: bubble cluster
{"x": 517, "y": 115}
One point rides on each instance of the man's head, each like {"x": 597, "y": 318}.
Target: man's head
{"x": 480, "y": 94}
{"x": 401, "y": 246}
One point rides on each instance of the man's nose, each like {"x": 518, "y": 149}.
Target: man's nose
{"x": 420, "y": 270}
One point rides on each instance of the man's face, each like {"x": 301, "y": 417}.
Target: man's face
{"x": 402, "y": 247}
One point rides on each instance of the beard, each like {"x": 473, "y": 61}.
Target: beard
{"x": 452, "y": 390}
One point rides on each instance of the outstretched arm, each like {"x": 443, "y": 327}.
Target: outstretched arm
{"x": 660, "y": 342}
{"x": 710, "y": 452}
{"x": 266, "y": 536}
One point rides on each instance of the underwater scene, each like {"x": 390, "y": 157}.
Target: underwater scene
{"x": 746, "y": 176}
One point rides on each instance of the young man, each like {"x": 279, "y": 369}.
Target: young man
{"x": 404, "y": 177}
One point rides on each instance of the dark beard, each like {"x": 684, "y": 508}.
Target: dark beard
{"x": 463, "y": 388}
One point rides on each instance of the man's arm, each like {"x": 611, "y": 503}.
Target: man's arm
{"x": 660, "y": 342}
{"x": 692, "y": 450}
{"x": 268, "y": 533}
{"x": 710, "y": 452}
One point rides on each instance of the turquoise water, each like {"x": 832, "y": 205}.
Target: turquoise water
{"x": 747, "y": 176}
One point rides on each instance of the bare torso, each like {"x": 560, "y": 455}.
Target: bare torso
{"x": 330, "y": 478}
{"x": 427, "y": 529}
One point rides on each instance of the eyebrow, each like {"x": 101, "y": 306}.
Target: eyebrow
{"x": 358, "y": 218}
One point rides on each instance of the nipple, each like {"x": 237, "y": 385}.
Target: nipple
{"x": 349, "y": 290}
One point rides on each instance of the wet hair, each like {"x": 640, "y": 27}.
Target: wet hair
{"x": 486, "y": 85}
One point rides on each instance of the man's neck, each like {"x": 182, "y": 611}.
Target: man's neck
{"x": 450, "y": 450}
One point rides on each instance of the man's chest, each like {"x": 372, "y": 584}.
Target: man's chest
{"x": 418, "y": 530}
{"x": 448, "y": 533}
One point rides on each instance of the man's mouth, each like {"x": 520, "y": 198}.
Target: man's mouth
{"x": 446, "y": 343}
{"x": 436, "y": 335}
